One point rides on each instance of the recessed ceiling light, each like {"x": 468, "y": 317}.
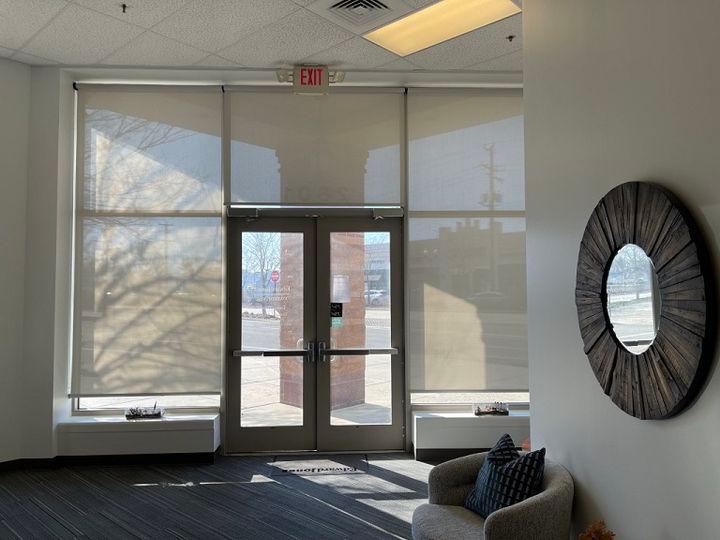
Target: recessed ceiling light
{"x": 439, "y": 22}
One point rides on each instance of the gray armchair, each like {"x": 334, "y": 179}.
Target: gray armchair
{"x": 545, "y": 516}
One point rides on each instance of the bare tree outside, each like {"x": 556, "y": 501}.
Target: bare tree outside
{"x": 261, "y": 256}
{"x": 137, "y": 164}
{"x": 630, "y": 272}
{"x": 632, "y": 304}
{"x": 150, "y": 281}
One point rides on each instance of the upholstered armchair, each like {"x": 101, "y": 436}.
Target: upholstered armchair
{"x": 545, "y": 516}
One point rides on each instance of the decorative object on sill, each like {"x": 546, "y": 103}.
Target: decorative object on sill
{"x": 643, "y": 283}
{"x": 136, "y": 413}
{"x": 491, "y": 409}
{"x": 597, "y": 531}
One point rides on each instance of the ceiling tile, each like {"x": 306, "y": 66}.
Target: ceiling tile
{"x": 356, "y": 53}
{"x": 423, "y": 3}
{"x": 215, "y": 24}
{"x": 141, "y": 12}
{"x": 288, "y": 41}
{"x": 32, "y": 60}
{"x": 253, "y": 33}
{"x": 21, "y": 19}
{"x": 152, "y": 49}
{"x": 419, "y": 3}
{"x": 508, "y": 62}
{"x": 398, "y": 65}
{"x": 472, "y": 48}
{"x": 214, "y": 60}
{"x": 80, "y": 36}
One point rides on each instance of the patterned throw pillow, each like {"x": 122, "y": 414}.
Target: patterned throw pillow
{"x": 503, "y": 451}
{"x": 506, "y": 478}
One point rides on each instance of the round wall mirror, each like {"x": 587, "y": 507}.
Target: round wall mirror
{"x": 645, "y": 300}
{"x": 633, "y": 299}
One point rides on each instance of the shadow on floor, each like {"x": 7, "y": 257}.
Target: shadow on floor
{"x": 235, "y": 497}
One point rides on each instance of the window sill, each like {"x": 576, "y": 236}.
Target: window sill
{"x": 103, "y": 414}
{"x": 438, "y": 432}
{"x": 114, "y": 435}
{"x": 441, "y": 408}
{"x": 120, "y": 423}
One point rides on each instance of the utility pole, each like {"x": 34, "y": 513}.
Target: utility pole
{"x": 491, "y": 198}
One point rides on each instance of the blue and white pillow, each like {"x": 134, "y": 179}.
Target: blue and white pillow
{"x": 506, "y": 478}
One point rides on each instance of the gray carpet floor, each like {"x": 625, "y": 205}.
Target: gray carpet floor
{"x": 235, "y": 497}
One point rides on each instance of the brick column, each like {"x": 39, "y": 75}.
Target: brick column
{"x": 290, "y": 306}
{"x": 347, "y": 373}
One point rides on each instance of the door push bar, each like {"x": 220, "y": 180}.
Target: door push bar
{"x": 308, "y": 353}
{"x": 313, "y": 355}
{"x": 324, "y": 352}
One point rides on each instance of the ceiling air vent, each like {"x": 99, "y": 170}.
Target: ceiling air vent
{"x": 358, "y": 16}
{"x": 359, "y": 12}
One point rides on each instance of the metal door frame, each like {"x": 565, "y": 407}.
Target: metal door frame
{"x": 360, "y": 437}
{"x": 271, "y": 438}
{"x": 316, "y": 433}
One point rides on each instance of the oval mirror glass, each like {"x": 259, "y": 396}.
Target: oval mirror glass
{"x": 633, "y": 298}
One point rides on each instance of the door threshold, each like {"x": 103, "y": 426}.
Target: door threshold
{"x": 261, "y": 453}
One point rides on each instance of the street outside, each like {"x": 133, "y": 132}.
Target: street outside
{"x": 633, "y": 319}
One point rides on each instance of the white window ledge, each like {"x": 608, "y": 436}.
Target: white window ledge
{"x": 440, "y": 431}
{"x": 114, "y": 435}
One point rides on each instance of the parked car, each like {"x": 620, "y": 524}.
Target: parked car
{"x": 376, "y": 297}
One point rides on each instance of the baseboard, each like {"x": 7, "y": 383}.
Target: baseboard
{"x": 122, "y": 459}
{"x": 27, "y": 463}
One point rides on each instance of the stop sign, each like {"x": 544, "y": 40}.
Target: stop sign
{"x": 275, "y": 276}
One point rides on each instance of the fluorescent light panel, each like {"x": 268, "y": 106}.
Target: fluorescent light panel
{"x": 439, "y": 22}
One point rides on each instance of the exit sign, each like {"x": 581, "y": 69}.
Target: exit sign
{"x": 311, "y": 80}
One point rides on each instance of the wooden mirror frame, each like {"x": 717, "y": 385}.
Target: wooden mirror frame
{"x": 664, "y": 379}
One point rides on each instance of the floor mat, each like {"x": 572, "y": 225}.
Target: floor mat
{"x": 313, "y": 465}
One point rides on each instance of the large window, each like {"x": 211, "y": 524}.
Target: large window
{"x": 148, "y": 287}
{"x": 466, "y": 248}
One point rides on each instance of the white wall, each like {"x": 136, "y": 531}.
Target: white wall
{"x": 615, "y": 91}
{"x": 14, "y": 118}
{"x": 62, "y": 407}
{"x": 47, "y": 260}
{"x": 36, "y": 120}
{"x": 36, "y": 116}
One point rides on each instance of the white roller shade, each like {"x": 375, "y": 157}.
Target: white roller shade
{"x": 148, "y": 285}
{"x": 341, "y": 148}
{"x": 466, "y": 241}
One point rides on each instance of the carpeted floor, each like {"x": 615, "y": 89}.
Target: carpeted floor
{"x": 236, "y": 497}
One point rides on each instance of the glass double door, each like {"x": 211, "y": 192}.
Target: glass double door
{"x": 314, "y": 335}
